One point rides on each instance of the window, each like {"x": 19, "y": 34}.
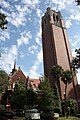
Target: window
{"x": 53, "y": 17}
{"x": 57, "y": 18}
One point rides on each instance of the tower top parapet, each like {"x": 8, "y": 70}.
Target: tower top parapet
{"x": 53, "y": 17}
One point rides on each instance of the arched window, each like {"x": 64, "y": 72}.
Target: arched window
{"x": 53, "y": 17}
{"x": 45, "y": 21}
{"x": 57, "y": 18}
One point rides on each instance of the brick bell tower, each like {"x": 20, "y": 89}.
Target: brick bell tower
{"x": 56, "y": 49}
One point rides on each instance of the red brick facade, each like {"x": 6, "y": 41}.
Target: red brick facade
{"x": 18, "y": 74}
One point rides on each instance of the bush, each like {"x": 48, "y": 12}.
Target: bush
{"x": 7, "y": 114}
{"x": 78, "y": 115}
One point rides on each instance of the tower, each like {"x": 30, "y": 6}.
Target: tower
{"x": 56, "y": 48}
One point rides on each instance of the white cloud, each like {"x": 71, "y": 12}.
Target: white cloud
{"x": 73, "y": 53}
{"x": 38, "y": 36}
{"x": 61, "y": 4}
{"x": 22, "y": 55}
{"x": 31, "y": 3}
{"x": 17, "y": 15}
{"x": 68, "y": 23}
{"x": 75, "y": 16}
{"x": 24, "y": 39}
{"x": 4, "y": 35}
{"x": 17, "y": 19}
{"x": 5, "y": 4}
{"x": 40, "y": 56}
{"x": 38, "y": 12}
{"x": 76, "y": 41}
{"x": 78, "y": 76}
{"x": 7, "y": 58}
{"x": 33, "y": 70}
{"x": 32, "y": 49}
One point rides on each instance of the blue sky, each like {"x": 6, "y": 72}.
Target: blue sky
{"x": 22, "y": 40}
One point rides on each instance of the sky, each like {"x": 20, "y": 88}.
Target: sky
{"x": 22, "y": 40}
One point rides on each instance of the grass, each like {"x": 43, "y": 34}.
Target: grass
{"x": 18, "y": 118}
{"x": 61, "y": 118}
{"x": 69, "y": 118}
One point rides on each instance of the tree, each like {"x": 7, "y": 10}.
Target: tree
{"x": 4, "y": 82}
{"x": 66, "y": 78}
{"x": 3, "y": 21}
{"x": 78, "y": 2}
{"x": 6, "y": 98}
{"x": 57, "y": 101}
{"x": 72, "y": 105}
{"x": 45, "y": 98}
{"x": 56, "y": 72}
{"x": 31, "y": 99}
{"x": 18, "y": 99}
{"x": 23, "y": 97}
{"x": 76, "y": 60}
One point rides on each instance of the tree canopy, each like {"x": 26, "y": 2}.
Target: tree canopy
{"x": 46, "y": 99}
{"x": 4, "y": 82}
{"x": 76, "y": 60}
{"x": 56, "y": 71}
{"x": 3, "y": 21}
{"x": 78, "y": 2}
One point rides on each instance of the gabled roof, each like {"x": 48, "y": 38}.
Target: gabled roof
{"x": 18, "y": 74}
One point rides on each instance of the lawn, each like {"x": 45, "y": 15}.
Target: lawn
{"x": 69, "y": 118}
{"x": 61, "y": 118}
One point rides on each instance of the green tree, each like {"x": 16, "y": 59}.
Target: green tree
{"x": 57, "y": 101}
{"x": 76, "y": 60}
{"x": 71, "y": 104}
{"x": 66, "y": 78}
{"x": 4, "y": 82}
{"x": 18, "y": 99}
{"x": 31, "y": 99}
{"x": 78, "y": 2}
{"x": 45, "y": 98}
{"x": 56, "y": 72}
{"x": 3, "y": 21}
{"x": 23, "y": 97}
{"x": 6, "y": 98}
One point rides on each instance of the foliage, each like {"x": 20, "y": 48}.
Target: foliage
{"x": 71, "y": 103}
{"x": 57, "y": 101}
{"x": 56, "y": 71}
{"x": 67, "y": 76}
{"x": 6, "y": 98}
{"x": 3, "y": 21}
{"x": 3, "y": 81}
{"x": 20, "y": 85}
{"x": 76, "y": 60}
{"x": 78, "y": 2}
{"x": 31, "y": 98}
{"x": 18, "y": 99}
{"x": 18, "y": 96}
{"x": 22, "y": 96}
{"x": 46, "y": 98}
